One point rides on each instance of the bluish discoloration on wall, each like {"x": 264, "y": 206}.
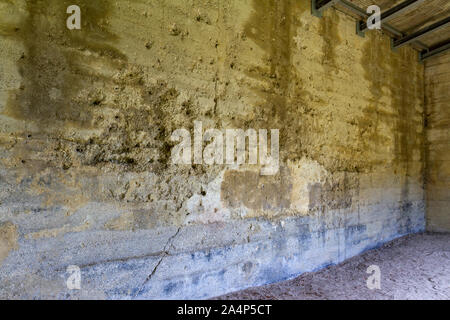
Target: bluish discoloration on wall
{"x": 277, "y": 251}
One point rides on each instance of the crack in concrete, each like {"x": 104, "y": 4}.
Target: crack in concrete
{"x": 164, "y": 254}
{"x": 101, "y": 262}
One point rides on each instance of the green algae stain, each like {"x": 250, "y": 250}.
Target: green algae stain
{"x": 399, "y": 77}
{"x": 53, "y": 64}
{"x": 331, "y": 39}
{"x": 272, "y": 27}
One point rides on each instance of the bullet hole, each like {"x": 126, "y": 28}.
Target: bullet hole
{"x": 149, "y": 45}
{"x": 203, "y": 193}
{"x": 174, "y": 30}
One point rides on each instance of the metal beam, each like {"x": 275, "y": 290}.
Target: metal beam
{"x": 426, "y": 54}
{"x": 421, "y": 33}
{"x": 357, "y": 10}
{"x": 324, "y": 4}
{"x": 318, "y": 6}
{"x": 393, "y": 12}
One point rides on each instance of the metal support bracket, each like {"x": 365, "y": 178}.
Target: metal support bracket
{"x": 318, "y": 6}
{"x": 359, "y": 32}
{"x": 393, "y": 48}
{"x": 314, "y": 10}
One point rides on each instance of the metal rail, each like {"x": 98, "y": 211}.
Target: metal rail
{"x": 421, "y": 33}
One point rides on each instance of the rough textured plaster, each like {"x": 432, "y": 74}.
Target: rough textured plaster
{"x": 85, "y": 124}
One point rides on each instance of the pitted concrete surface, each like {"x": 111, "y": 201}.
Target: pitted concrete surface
{"x": 86, "y": 124}
{"x": 412, "y": 267}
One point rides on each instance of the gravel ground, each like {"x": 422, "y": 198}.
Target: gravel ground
{"x": 412, "y": 267}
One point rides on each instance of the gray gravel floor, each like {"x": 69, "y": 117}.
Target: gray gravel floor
{"x": 412, "y": 267}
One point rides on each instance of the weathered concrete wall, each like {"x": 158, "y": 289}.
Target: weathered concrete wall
{"x": 437, "y": 81}
{"x": 85, "y": 125}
